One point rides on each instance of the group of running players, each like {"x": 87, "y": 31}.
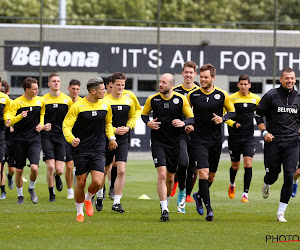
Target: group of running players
{"x": 93, "y": 133}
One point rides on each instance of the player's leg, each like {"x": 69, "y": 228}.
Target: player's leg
{"x": 11, "y": 165}
{"x": 81, "y": 165}
{"x": 232, "y": 174}
{"x": 34, "y": 149}
{"x": 100, "y": 196}
{"x": 192, "y": 173}
{"x": 2, "y": 181}
{"x": 70, "y": 171}
{"x": 295, "y": 182}
{"x": 50, "y": 164}
{"x": 79, "y": 195}
{"x": 97, "y": 174}
{"x": 121, "y": 159}
{"x": 214, "y": 154}
{"x": 49, "y": 158}
{"x": 59, "y": 170}
{"x": 60, "y": 159}
{"x": 290, "y": 155}
{"x": 162, "y": 191}
{"x": 119, "y": 185}
{"x": 247, "y": 177}
{"x": 2, "y": 162}
{"x": 20, "y": 156}
{"x": 69, "y": 178}
{"x": 183, "y": 163}
{"x": 160, "y": 162}
{"x": 204, "y": 192}
{"x": 272, "y": 161}
{"x": 114, "y": 172}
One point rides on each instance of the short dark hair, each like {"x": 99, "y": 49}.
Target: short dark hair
{"x": 244, "y": 77}
{"x": 118, "y": 76}
{"x": 287, "y": 70}
{"x": 6, "y": 86}
{"x": 94, "y": 82}
{"x": 51, "y": 75}
{"x": 108, "y": 80}
{"x": 209, "y": 67}
{"x": 28, "y": 82}
{"x": 189, "y": 64}
{"x": 74, "y": 82}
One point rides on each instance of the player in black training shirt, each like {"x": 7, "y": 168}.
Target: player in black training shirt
{"x": 4, "y": 123}
{"x": 168, "y": 108}
{"x": 27, "y": 117}
{"x": 280, "y": 107}
{"x": 186, "y": 172}
{"x": 57, "y": 105}
{"x": 241, "y": 139}
{"x": 208, "y": 103}
{"x": 86, "y": 126}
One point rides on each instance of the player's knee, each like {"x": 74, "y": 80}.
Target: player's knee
{"x": 162, "y": 177}
{"x": 98, "y": 182}
{"x": 170, "y": 178}
{"x": 121, "y": 172}
{"x": 81, "y": 183}
{"x": 50, "y": 168}
{"x": 203, "y": 175}
{"x": 69, "y": 167}
{"x": 235, "y": 167}
{"x": 34, "y": 168}
{"x": 19, "y": 171}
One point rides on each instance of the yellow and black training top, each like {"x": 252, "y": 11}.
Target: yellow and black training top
{"x": 204, "y": 106}
{"x": 90, "y": 122}
{"x": 166, "y": 110}
{"x": 25, "y": 127}
{"x": 137, "y": 106}
{"x": 4, "y": 110}
{"x": 123, "y": 114}
{"x": 245, "y": 107}
{"x": 56, "y": 108}
{"x": 184, "y": 91}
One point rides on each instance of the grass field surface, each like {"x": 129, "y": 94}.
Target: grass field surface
{"x": 237, "y": 225}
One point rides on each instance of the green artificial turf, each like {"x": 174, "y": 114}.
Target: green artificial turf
{"x": 237, "y": 225}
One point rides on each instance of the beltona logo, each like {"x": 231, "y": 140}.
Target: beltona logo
{"x": 22, "y": 56}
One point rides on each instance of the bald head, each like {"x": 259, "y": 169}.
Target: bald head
{"x": 168, "y": 77}
{"x": 166, "y": 83}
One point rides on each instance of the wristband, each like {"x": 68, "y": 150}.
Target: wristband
{"x": 112, "y": 138}
{"x": 265, "y": 132}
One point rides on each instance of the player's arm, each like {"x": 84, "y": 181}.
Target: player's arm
{"x": 189, "y": 128}
{"x": 68, "y": 123}
{"x": 14, "y": 118}
{"x": 262, "y": 109}
{"x": 153, "y": 124}
{"x": 137, "y": 106}
{"x": 131, "y": 117}
{"x": 188, "y": 112}
{"x": 41, "y": 126}
{"x": 6, "y": 112}
{"x": 229, "y": 106}
{"x": 109, "y": 129}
